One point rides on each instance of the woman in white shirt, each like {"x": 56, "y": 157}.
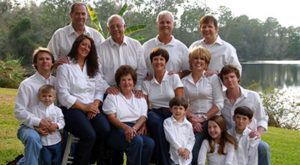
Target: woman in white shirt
{"x": 159, "y": 91}
{"x": 204, "y": 95}
{"x": 128, "y": 113}
{"x": 80, "y": 92}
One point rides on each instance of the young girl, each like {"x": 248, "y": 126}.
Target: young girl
{"x": 219, "y": 147}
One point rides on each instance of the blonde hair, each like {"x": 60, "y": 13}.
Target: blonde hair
{"x": 199, "y": 52}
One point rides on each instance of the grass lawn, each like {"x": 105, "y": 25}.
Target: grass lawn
{"x": 285, "y": 144}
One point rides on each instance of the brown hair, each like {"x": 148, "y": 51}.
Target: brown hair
{"x": 245, "y": 111}
{"x": 178, "y": 101}
{"x": 199, "y": 52}
{"x": 229, "y": 69}
{"x": 37, "y": 51}
{"x": 159, "y": 52}
{"x": 208, "y": 19}
{"x": 124, "y": 70}
{"x": 225, "y": 137}
{"x": 91, "y": 59}
{"x": 72, "y": 8}
{"x": 46, "y": 89}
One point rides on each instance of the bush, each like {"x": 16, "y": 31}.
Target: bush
{"x": 11, "y": 73}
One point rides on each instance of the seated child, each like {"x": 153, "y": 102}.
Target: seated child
{"x": 247, "y": 153}
{"x": 50, "y": 138}
{"x": 179, "y": 132}
{"x": 219, "y": 147}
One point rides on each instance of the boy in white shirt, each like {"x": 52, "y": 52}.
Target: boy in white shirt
{"x": 50, "y": 137}
{"x": 247, "y": 153}
{"x": 179, "y": 132}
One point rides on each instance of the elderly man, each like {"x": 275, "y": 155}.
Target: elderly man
{"x": 63, "y": 38}
{"x": 118, "y": 50}
{"x": 236, "y": 96}
{"x": 222, "y": 52}
{"x": 178, "y": 52}
{"x": 26, "y": 99}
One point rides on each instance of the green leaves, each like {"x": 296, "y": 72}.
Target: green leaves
{"x": 95, "y": 19}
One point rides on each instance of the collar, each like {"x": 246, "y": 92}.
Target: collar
{"x": 190, "y": 77}
{"x": 244, "y": 93}
{"x": 171, "y": 43}
{"x": 44, "y": 107}
{"x": 218, "y": 41}
{"x": 164, "y": 78}
{"x": 185, "y": 121}
{"x": 113, "y": 43}
{"x": 40, "y": 77}
{"x": 71, "y": 30}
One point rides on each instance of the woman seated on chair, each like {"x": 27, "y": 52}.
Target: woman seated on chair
{"x": 128, "y": 115}
{"x": 80, "y": 92}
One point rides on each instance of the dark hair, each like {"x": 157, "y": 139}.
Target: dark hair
{"x": 229, "y": 69}
{"x": 72, "y": 8}
{"x": 225, "y": 137}
{"x": 245, "y": 111}
{"x": 124, "y": 70}
{"x": 159, "y": 52}
{"x": 91, "y": 59}
{"x": 46, "y": 89}
{"x": 37, "y": 51}
{"x": 208, "y": 19}
{"x": 178, "y": 101}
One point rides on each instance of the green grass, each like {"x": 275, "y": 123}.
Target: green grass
{"x": 284, "y": 144}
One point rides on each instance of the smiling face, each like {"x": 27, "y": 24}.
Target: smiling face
{"x": 214, "y": 130}
{"x": 158, "y": 63}
{"x": 165, "y": 25}
{"x": 178, "y": 112}
{"x": 79, "y": 15}
{"x": 209, "y": 32}
{"x": 198, "y": 64}
{"x": 43, "y": 62}
{"x": 47, "y": 98}
{"x": 126, "y": 84}
{"x": 116, "y": 28}
{"x": 84, "y": 49}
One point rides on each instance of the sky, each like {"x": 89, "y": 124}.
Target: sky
{"x": 285, "y": 11}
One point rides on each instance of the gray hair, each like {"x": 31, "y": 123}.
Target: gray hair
{"x": 113, "y": 16}
{"x": 163, "y": 13}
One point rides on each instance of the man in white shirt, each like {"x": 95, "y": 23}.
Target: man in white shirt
{"x": 236, "y": 96}
{"x": 223, "y": 53}
{"x": 178, "y": 52}
{"x": 62, "y": 40}
{"x": 27, "y": 98}
{"x": 119, "y": 50}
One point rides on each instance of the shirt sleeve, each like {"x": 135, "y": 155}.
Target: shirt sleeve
{"x": 191, "y": 137}
{"x": 144, "y": 107}
{"x": 60, "y": 118}
{"x": 109, "y": 105}
{"x": 101, "y": 86}
{"x": 53, "y": 45}
{"x": 217, "y": 92}
{"x": 145, "y": 87}
{"x": 260, "y": 113}
{"x": 232, "y": 59}
{"x": 230, "y": 155}
{"x": 168, "y": 128}
{"x": 203, "y": 152}
{"x": 21, "y": 110}
{"x": 185, "y": 58}
{"x": 176, "y": 81}
{"x": 141, "y": 67}
{"x": 252, "y": 150}
{"x": 63, "y": 87}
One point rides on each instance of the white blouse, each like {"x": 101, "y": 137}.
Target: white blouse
{"x": 75, "y": 84}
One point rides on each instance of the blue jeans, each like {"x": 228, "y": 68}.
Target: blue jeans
{"x": 138, "y": 151}
{"x": 51, "y": 155}
{"x": 32, "y": 142}
{"x": 155, "y": 127}
{"x": 89, "y": 131}
{"x": 199, "y": 137}
{"x": 264, "y": 156}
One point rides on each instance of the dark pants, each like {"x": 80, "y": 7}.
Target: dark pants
{"x": 155, "y": 127}
{"x": 51, "y": 155}
{"x": 199, "y": 137}
{"x": 138, "y": 151}
{"x": 89, "y": 131}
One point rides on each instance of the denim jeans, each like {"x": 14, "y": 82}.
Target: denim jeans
{"x": 264, "y": 155}
{"x": 138, "y": 151}
{"x": 32, "y": 142}
{"x": 199, "y": 137}
{"x": 155, "y": 127}
{"x": 51, "y": 155}
{"x": 87, "y": 130}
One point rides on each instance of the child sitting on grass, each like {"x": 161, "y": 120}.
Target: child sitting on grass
{"x": 179, "y": 132}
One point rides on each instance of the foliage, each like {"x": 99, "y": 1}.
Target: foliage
{"x": 11, "y": 73}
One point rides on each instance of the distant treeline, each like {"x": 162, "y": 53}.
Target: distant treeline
{"x": 23, "y": 27}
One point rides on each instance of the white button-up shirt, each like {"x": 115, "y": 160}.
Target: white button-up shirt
{"x": 222, "y": 53}
{"x": 215, "y": 158}
{"x": 203, "y": 94}
{"x": 112, "y": 55}
{"x": 62, "y": 40}
{"x": 74, "y": 84}
{"x": 126, "y": 110}
{"x": 27, "y": 98}
{"x": 179, "y": 135}
{"x": 159, "y": 95}
{"x": 247, "y": 153}
{"x": 54, "y": 114}
{"x": 251, "y": 100}
{"x": 178, "y": 54}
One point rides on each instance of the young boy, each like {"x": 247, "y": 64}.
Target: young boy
{"x": 246, "y": 153}
{"x": 50, "y": 137}
{"x": 179, "y": 132}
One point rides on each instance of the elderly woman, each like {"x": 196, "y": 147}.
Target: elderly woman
{"x": 80, "y": 92}
{"x": 203, "y": 93}
{"x": 128, "y": 113}
{"x": 159, "y": 91}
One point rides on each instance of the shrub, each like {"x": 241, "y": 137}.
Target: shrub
{"x": 11, "y": 73}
